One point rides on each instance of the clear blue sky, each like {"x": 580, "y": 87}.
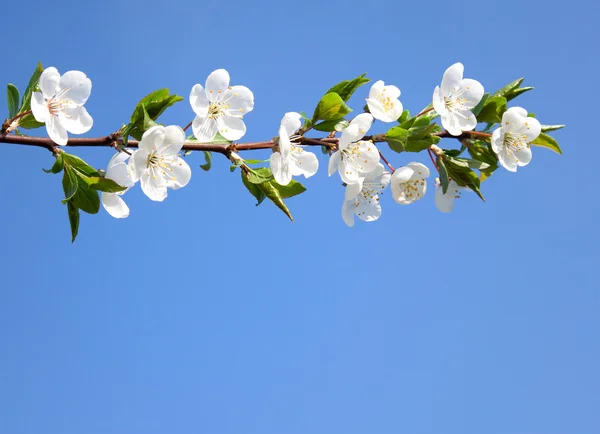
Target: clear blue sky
{"x": 205, "y": 314}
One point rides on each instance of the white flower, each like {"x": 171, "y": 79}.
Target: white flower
{"x": 409, "y": 183}
{"x": 118, "y": 171}
{"x": 511, "y": 140}
{"x": 60, "y": 104}
{"x": 220, "y": 108}
{"x": 383, "y": 102}
{"x": 455, "y": 100}
{"x": 157, "y": 163}
{"x": 445, "y": 202}
{"x": 366, "y": 204}
{"x": 291, "y": 160}
{"x": 355, "y": 158}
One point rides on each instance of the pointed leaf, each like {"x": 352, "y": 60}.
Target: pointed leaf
{"x": 12, "y": 97}
{"x": 346, "y": 88}
{"x": 73, "y": 213}
{"x": 547, "y": 141}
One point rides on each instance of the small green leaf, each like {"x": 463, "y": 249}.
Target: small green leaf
{"x": 28, "y": 122}
{"x": 73, "y": 212}
{"x": 459, "y": 171}
{"x": 254, "y": 189}
{"x": 258, "y": 176}
{"x": 331, "y": 107}
{"x": 69, "y": 183}
{"x": 404, "y": 116}
{"x": 481, "y": 151}
{"x": 58, "y": 165}
{"x": 346, "y": 88}
{"x": 272, "y": 192}
{"x": 208, "y": 158}
{"x": 86, "y": 198}
{"x": 396, "y": 138}
{"x": 469, "y": 163}
{"x": 510, "y": 86}
{"x": 477, "y": 109}
{"x": 492, "y": 110}
{"x": 79, "y": 165}
{"x": 548, "y": 128}
{"x": 516, "y": 92}
{"x": 444, "y": 180}
{"x": 147, "y": 110}
{"x": 102, "y": 184}
{"x": 294, "y": 188}
{"x": 33, "y": 81}
{"x": 13, "y": 99}
{"x": 328, "y": 126}
{"x": 547, "y": 141}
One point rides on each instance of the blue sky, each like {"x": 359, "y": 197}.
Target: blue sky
{"x": 205, "y": 314}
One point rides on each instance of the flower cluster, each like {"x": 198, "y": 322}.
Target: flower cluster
{"x": 58, "y": 102}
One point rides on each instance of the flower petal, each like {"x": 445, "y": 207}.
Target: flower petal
{"x": 180, "y": 173}
{"x": 421, "y": 171}
{"x": 153, "y": 186}
{"x": 334, "y": 162}
{"x": 241, "y": 100}
{"x": 452, "y": 78}
{"x": 114, "y": 205}
{"x": 217, "y": 81}
{"x": 205, "y": 129}
{"x": 506, "y": 160}
{"x": 444, "y": 202}
{"x": 152, "y": 139}
{"x": 348, "y": 212}
{"x": 137, "y": 164}
{"x": 78, "y": 85}
{"x": 76, "y": 120}
{"x": 523, "y": 156}
{"x": 231, "y": 128}
{"x": 39, "y": 107}
{"x": 376, "y": 89}
{"x": 281, "y": 169}
{"x": 49, "y": 80}
{"x": 56, "y": 131}
{"x": 119, "y": 172}
{"x": 368, "y": 209}
{"x": 473, "y": 92}
{"x": 173, "y": 141}
{"x": 290, "y": 123}
{"x": 498, "y": 140}
{"x": 353, "y": 190}
{"x": 303, "y": 163}
{"x": 199, "y": 101}
{"x": 438, "y": 102}
{"x": 402, "y": 175}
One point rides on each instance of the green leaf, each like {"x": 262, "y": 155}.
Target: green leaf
{"x": 79, "y": 165}
{"x": 28, "y": 122}
{"x": 86, "y": 198}
{"x": 328, "y": 126}
{"x": 480, "y": 151}
{"x": 477, "y": 109}
{"x": 102, "y": 184}
{"x": 258, "y": 176}
{"x": 307, "y": 122}
{"x": 254, "y": 189}
{"x": 208, "y": 158}
{"x": 73, "y": 212}
{"x": 404, "y": 116}
{"x": 33, "y": 81}
{"x": 13, "y": 99}
{"x": 548, "y": 128}
{"x": 396, "y": 138}
{"x": 510, "y": 86}
{"x": 346, "y": 88}
{"x": 58, "y": 165}
{"x": 516, "y": 92}
{"x": 492, "y": 110}
{"x": 69, "y": 183}
{"x": 148, "y": 110}
{"x": 331, "y": 107}
{"x": 444, "y": 179}
{"x": 272, "y": 192}
{"x": 469, "y": 163}
{"x": 294, "y": 188}
{"x": 460, "y": 172}
{"x": 547, "y": 141}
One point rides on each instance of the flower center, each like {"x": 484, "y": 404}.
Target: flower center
{"x": 515, "y": 142}
{"x": 58, "y": 103}
{"x": 386, "y": 101}
{"x": 413, "y": 189}
{"x": 352, "y": 155}
{"x": 158, "y": 164}
{"x": 454, "y": 101}
{"x": 216, "y": 110}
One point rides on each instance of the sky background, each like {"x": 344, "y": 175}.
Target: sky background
{"x": 206, "y": 314}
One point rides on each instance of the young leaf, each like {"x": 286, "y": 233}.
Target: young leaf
{"x": 258, "y": 176}
{"x": 58, "y": 165}
{"x": 254, "y": 189}
{"x": 548, "y": 128}
{"x": 346, "y": 88}
{"x": 69, "y": 183}
{"x": 33, "y": 81}
{"x": 102, "y": 184}
{"x": 396, "y": 138}
{"x": 328, "y": 126}
{"x": 492, "y": 110}
{"x": 294, "y": 188}
{"x": 73, "y": 212}
{"x": 208, "y": 158}
{"x": 460, "y": 172}
{"x": 444, "y": 180}
{"x": 79, "y": 165}
{"x": 510, "y": 86}
{"x": 86, "y": 198}
{"x": 331, "y": 107}
{"x": 28, "y": 122}
{"x": 547, "y": 141}
{"x": 12, "y": 97}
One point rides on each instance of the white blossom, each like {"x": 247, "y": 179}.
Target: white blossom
{"x": 511, "y": 140}
{"x": 455, "y": 99}
{"x": 220, "y": 108}
{"x": 291, "y": 160}
{"x": 365, "y": 205}
{"x": 445, "y": 202}
{"x": 59, "y": 104}
{"x": 118, "y": 171}
{"x": 383, "y": 102}
{"x": 355, "y": 158}
{"x": 409, "y": 183}
{"x": 157, "y": 164}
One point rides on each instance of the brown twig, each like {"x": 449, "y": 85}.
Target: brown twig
{"x": 386, "y": 162}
